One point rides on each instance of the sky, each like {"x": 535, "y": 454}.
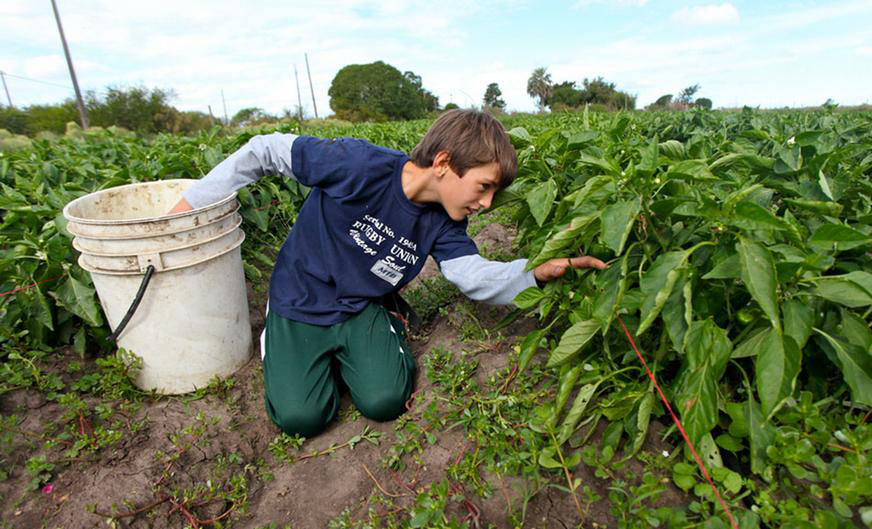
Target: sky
{"x": 769, "y": 54}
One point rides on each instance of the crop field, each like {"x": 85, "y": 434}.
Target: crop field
{"x": 740, "y": 279}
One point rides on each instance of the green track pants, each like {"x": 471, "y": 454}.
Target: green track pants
{"x": 304, "y": 363}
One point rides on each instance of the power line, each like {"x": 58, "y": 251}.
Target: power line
{"x": 37, "y": 81}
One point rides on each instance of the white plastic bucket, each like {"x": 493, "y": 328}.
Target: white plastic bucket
{"x": 192, "y": 323}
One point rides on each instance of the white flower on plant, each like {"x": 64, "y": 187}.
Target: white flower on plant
{"x": 665, "y": 453}
{"x": 203, "y": 147}
{"x": 791, "y": 140}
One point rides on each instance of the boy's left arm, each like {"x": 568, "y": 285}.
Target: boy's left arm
{"x": 498, "y": 283}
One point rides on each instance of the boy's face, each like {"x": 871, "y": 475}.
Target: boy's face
{"x": 464, "y": 196}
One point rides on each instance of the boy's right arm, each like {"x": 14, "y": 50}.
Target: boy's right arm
{"x": 266, "y": 154}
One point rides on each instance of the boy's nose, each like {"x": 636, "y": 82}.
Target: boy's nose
{"x": 486, "y": 200}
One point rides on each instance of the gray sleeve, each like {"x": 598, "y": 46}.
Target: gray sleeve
{"x": 266, "y": 154}
{"x": 488, "y": 281}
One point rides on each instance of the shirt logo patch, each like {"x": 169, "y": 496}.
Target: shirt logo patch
{"x": 384, "y": 271}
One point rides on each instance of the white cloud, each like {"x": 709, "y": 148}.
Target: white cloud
{"x": 865, "y": 51}
{"x": 707, "y": 15}
{"x": 580, "y": 4}
{"x": 45, "y": 67}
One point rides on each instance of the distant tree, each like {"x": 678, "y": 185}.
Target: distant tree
{"x": 703, "y": 102}
{"x": 135, "y": 108}
{"x": 428, "y": 100}
{"x": 450, "y": 106}
{"x": 565, "y": 95}
{"x": 51, "y": 118}
{"x": 685, "y": 97}
{"x": 377, "y": 92}
{"x": 492, "y": 97}
{"x": 600, "y": 91}
{"x": 596, "y": 91}
{"x": 14, "y": 120}
{"x": 539, "y": 86}
{"x": 190, "y": 121}
{"x": 250, "y": 116}
{"x": 662, "y": 102}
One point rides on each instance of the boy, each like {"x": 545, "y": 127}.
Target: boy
{"x": 371, "y": 218}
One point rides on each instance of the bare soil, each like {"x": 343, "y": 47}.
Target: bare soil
{"x": 136, "y": 474}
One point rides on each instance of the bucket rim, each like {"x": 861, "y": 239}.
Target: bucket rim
{"x": 94, "y": 270}
{"x": 73, "y": 228}
{"x": 235, "y": 227}
{"x": 139, "y": 220}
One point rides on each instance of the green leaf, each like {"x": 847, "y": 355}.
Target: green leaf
{"x": 657, "y": 284}
{"x": 611, "y": 284}
{"x": 582, "y": 398}
{"x": 728, "y": 442}
{"x": 832, "y": 209}
{"x": 684, "y": 482}
{"x": 546, "y": 458}
{"x": 672, "y": 149}
{"x": 844, "y": 290}
{"x": 855, "y": 330}
{"x": 751, "y": 216}
{"x": 39, "y": 308}
{"x": 674, "y": 312}
{"x": 734, "y": 159}
{"x": 708, "y": 350}
{"x": 563, "y": 239}
{"x": 591, "y": 188}
{"x": 825, "y": 184}
{"x": 758, "y": 274}
{"x": 843, "y": 237}
{"x": 856, "y": 366}
{"x": 80, "y": 299}
{"x": 777, "y": 366}
{"x": 643, "y": 418}
{"x": 528, "y": 349}
{"x": 752, "y": 344}
{"x": 609, "y": 166}
{"x": 519, "y": 136}
{"x": 761, "y": 435}
{"x": 578, "y": 140}
{"x": 692, "y": 170}
{"x": 789, "y": 159}
{"x": 729, "y": 268}
{"x": 529, "y": 297}
{"x": 573, "y": 341}
{"x": 617, "y": 223}
{"x": 798, "y": 321}
{"x": 649, "y": 158}
{"x": 541, "y": 200}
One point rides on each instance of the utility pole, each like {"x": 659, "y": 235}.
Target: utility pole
{"x": 299, "y": 101}
{"x": 83, "y": 113}
{"x": 3, "y": 76}
{"x": 310, "y": 84}
{"x": 226, "y": 120}
{"x": 211, "y": 116}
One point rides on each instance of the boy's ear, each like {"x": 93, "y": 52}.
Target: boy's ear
{"x": 441, "y": 163}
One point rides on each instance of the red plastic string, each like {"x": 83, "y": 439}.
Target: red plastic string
{"x": 680, "y": 428}
{"x": 31, "y": 286}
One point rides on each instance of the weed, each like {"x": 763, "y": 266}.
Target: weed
{"x": 281, "y": 445}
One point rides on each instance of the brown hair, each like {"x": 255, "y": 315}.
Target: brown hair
{"x": 471, "y": 139}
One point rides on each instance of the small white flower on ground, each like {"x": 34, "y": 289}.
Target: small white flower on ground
{"x": 665, "y": 453}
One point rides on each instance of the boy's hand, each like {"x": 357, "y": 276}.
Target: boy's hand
{"x": 180, "y": 207}
{"x": 554, "y": 268}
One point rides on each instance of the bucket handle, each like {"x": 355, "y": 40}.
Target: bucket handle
{"x": 149, "y": 271}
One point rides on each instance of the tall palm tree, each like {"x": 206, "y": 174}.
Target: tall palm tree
{"x": 539, "y": 86}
